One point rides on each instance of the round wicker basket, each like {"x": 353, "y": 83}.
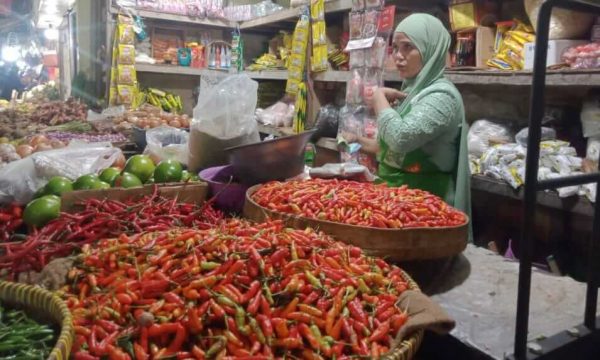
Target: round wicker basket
{"x": 407, "y": 349}
{"x": 39, "y": 301}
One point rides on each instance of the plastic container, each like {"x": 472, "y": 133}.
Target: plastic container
{"x": 230, "y": 196}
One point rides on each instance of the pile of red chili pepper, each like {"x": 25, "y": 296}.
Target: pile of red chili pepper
{"x": 355, "y": 203}
{"x": 98, "y": 220}
{"x": 11, "y": 219}
{"x": 235, "y": 291}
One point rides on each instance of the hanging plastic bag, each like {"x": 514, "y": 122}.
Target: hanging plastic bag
{"x": 224, "y": 117}
{"x": 165, "y": 142}
{"x": 20, "y": 179}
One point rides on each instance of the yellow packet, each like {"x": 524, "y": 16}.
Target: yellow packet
{"x": 295, "y": 73}
{"x": 126, "y": 75}
{"x": 126, "y": 55}
{"x": 318, "y": 33}
{"x": 292, "y": 86}
{"x": 126, "y": 34}
{"x": 124, "y": 19}
{"x": 112, "y": 95}
{"x": 522, "y": 37}
{"x": 125, "y": 94}
{"x": 297, "y": 60}
{"x": 317, "y": 10}
{"x": 319, "y": 59}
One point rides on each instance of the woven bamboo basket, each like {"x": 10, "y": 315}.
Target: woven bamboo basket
{"x": 42, "y": 303}
{"x": 392, "y": 244}
{"x": 407, "y": 349}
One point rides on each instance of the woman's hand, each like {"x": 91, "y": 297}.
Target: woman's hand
{"x": 378, "y": 97}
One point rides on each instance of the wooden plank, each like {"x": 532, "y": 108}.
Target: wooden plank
{"x": 574, "y": 204}
{"x": 180, "y": 18}
{"x": 281, "y": 17}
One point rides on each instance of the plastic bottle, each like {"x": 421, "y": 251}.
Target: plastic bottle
{"x": 218, "y": 57}
{"x": 211, "y": 57}
{"x": 224, "y": 57}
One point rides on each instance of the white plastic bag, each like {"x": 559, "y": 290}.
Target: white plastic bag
{"x": 482, "y": 131}
{"x": 350, "y": 171}
{"x": 279, "y": 114}
{"x": 20, "y": 179}
{"x": 522, "y": 136}
{"x": 165, "y": 142}
{"x": 224, "y": 117}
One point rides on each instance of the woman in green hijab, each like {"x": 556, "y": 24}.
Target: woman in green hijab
{"x": 421, "y": 129}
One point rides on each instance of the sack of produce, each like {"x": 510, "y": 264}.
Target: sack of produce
{"x": 224, "y": 117}
{"x": 166, "y": 142}
{"x": 484, "y": 133}
{"x": 20, "y": 179}
{"x": 564, "y": 24}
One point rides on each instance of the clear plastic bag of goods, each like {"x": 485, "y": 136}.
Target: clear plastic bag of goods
{"x": 484, "y": 133}
{"x": 590, "y": 115}
{"x": 351, "y": 171}
{"x": 279, "y": 114}
{"x": 523, "y": 135}
{"x": 20, "y": 179}
{"x": 165, "y": 142}
{"x": 224, "y": 117}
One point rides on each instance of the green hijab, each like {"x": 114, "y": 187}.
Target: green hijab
{"x": 432, "y": 40}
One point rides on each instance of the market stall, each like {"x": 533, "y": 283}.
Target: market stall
{"x": 205, "y": 190}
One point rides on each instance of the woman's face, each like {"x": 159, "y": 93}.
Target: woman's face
{"x": 406, "y": 56}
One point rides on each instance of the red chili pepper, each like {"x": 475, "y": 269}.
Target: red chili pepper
{"x": 265, "y": 324}
{"x": 251, "y": 293}
{"x": 180, "y": 336}
{"x": 254, "y": 304}
{"x": 140, "y": 353}
{"x": 357, "y": 312}
{"x": 380, "y": 332}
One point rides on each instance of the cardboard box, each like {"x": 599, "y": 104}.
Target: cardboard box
{"x": 555, "y": 50}
{"x": 194, "y": 193}
{"x": 466, "y": 14}
{"x": 484, "y": 45}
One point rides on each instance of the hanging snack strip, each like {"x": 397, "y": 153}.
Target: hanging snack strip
{"x": 298, "y": 57}
{"x": 123, "y": 85}
{"x": 301, "y": 100}
{"x": 237, "y": 51}
{"x": 319, "y": 60}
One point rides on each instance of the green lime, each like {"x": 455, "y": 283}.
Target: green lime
{"x": 40, "y": 211}
{"x": 109, "y": 175}
{"x": 101, "y": 185}
{"x": 58, "y": 185}
{"x": 85, "y": 182}
{"x": 168, "y": 171}
{"x": 186, "y": 176}
{"x": 127, "y": 180}
{"x": 140, "y": 166}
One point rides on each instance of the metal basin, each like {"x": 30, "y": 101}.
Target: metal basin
{"x": 276, "y": 159}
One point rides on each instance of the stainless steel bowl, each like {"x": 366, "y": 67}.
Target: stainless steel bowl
{"x": 276, "y": 159}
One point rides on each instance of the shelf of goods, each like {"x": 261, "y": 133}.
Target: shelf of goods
{"x": 293, "y": 13}
{"x": 574, "y": 204}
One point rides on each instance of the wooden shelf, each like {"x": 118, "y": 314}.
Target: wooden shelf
{"x": 186, "y": 70}
{"x": 180, "y": 18}
{"x": 574, "y": 204}
{"x": 524, "y": 78}
{"x": 292, "y": 14}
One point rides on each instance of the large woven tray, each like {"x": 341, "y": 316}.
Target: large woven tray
{"x": 43, "y": 304}
{"x": 391, "y": 244}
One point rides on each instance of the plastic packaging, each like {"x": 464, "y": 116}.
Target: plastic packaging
{"x": 590, "y": 115}
{"x": 279, "y": 114}
{"x": 20, "y": 179}
{"x": 356, "y": 25}
{"x": 327, "y": 122}
{"x": 354, "y": 88}
{"x": 165, "y": 142}
{"x": 376, "y": 55}
{"x": 357, "y": 58}
{"x": 350, "y": 171}
{"x": 224, "y": 117}
{"x": 484, "y": 133}
{"x": 547, "y": 134}
{"x": 370, "y": 23}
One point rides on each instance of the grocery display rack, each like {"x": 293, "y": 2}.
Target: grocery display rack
{"x": 578, "y": 342}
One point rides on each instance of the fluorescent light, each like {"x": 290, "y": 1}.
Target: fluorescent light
{"x": 51, "y": 33}
{"x": 10, "y": 53}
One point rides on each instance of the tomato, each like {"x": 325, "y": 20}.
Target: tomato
{"x": 40, "y": 211}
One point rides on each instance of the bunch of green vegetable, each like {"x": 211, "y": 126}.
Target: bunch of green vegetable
{"x": 23, "y": 338}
